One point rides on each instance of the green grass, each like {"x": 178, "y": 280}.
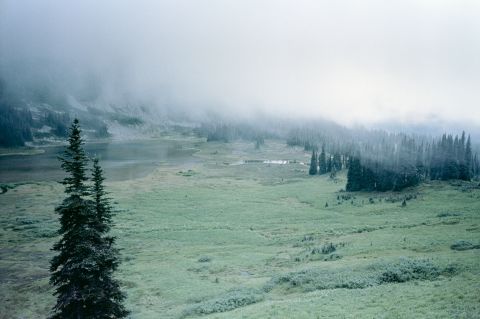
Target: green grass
{"x": 214, "y": 240}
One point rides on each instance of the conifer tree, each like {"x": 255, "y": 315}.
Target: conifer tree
{"x": 475, "y": 166}
{"x": 322, "y": 162}
{"x": 354, "y": 175}
{"x": 85, "y": 260}
{"x": 468, "y": 160}
{"x": 329, "y": 163}
{"x": 419, "y": 162}
{"x": 71, "y": 269}
{"x": 109, "y": 304}
{"x": 337, "y": 162}
{"x": 313, "y": 164}
{"x": 333, "y": 173}
{"x": 450, "y": 166}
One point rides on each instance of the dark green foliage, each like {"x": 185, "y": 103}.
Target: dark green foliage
{"x": 451, "y": 158}
{"x": 58, "y": 122}
{"x": 354, "y": 175}
{"x": 386, "y": 168}
{"x": 325, "y": 249}
{"x": 74, "y": 163}
{"x": 322, "y": 162}
{"x": 101, "y": 202}
{"x": 328, "y": 248}
{"x": 329, "y": 163}
{"x": 467, "y": 169}
{"x": 14, "y": 126}
{"x": 82, "y": 270}
{"x": 313, "y": 164}
{"x": 396, "y": 171}
{"x": 5, "y": 187}
{"x": 464, "y": 245}
{"x": 476, "y": 166}
{"x": 337, "y": 162}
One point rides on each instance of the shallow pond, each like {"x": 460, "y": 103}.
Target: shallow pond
{"x": 120, "y": 160}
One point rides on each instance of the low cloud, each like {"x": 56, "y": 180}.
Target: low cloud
{"x": 353, "y": 62}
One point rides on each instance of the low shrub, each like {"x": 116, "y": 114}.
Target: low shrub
{"x": 409, "y": 269}
{"x": 308, "y": 238}
{"x": 25, "y": 221}
{"x": 448, "y": 214}
{"x": 187, "y": 173}
{"x": 204, "y": 259}
{"x": 403, "y": 270}
{"x": 463, "y": 245}
{"x": 230, "y": 300}
{"x": 4, "y": 188}
{"x": 320, "y": 279}
{"x": 333, "y": 257}
{"x": 328, "y": 248}
{"x": 325, "y": 249}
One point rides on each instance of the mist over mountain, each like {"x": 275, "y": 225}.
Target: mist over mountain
{"x": 409, "y": 65}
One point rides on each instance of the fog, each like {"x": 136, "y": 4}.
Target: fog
{"x": 355, "y": 63}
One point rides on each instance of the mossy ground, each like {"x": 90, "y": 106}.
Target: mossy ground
{"x": 190, "y": 235}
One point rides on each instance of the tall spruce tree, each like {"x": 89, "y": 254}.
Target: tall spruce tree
{"x": 85, "y": 257}
{"x": 468, "y": 160}
{"x": 337, "y": 162}
{"x": 109, "y": 303}
{"x": 313, "y": 164}
{"x": 475, "y": 166}
{"x": 354, "y": 175}
{"x": 322, "y": 162}
{"x": 329, "y": 163}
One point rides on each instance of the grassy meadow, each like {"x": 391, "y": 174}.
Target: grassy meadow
{"x": 226, "y": 239}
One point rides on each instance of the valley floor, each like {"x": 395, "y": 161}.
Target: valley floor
{"x": 215, "y": 240}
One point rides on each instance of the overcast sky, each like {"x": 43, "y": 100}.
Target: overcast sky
{"x": 353, "y": 61}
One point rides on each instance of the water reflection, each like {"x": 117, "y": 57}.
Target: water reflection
{"x": 120, "y": 160}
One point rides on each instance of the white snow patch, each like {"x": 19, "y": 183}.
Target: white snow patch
{"x": 45, "y": 129}
{"x": 277, "y": 162}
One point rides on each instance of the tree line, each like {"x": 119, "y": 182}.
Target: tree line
{"x": 15, "y": 126}
{"x": 233, "y": 131}
{"x": 324, "y": 163}
{"x": 400, "y": 161}
{"x": 395, "y": 167}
